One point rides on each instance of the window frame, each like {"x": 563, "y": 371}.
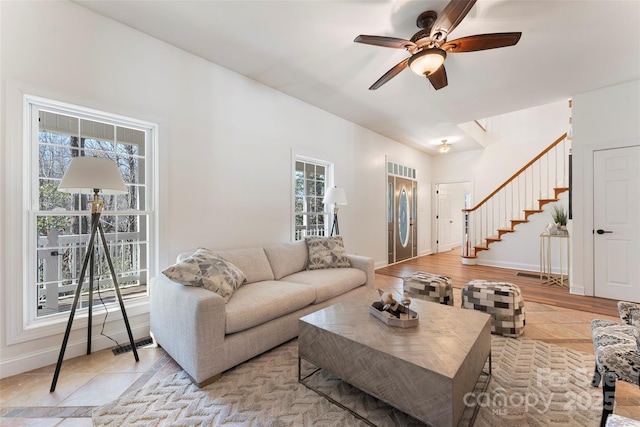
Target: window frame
{"x": 328, "y": 183}
{"x": 23, "y": 300}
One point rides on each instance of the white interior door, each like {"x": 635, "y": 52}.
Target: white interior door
{"x": 450, "y": 200}
{"x": 616, "y": 217}
{"x": 443, "y": 218}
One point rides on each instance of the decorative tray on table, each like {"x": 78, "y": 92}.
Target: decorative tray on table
{"x": 404, "y": 321}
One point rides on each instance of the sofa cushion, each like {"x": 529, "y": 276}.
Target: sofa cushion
{"x": 205, "y": 269}
{"x": 287, "y": 258}
{"x": 329, "y": 282}
{"x": 256, "y": 303}
{"x": 326, "y": 252}
{"x": 252, "y": 261}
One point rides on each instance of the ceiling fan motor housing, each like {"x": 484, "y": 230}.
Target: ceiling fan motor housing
{"x": 426, "y": 19}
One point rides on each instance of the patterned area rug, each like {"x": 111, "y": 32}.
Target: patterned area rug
{"x": 533, "y": 384}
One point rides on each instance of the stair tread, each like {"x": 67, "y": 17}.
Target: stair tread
{"x": 533, "y": 210}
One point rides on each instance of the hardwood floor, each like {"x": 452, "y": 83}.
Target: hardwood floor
{"x": 449, "y": 264}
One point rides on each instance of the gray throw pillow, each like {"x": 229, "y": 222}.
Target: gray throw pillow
{"x": 326, "y": 252}
{"x": 208, "y": 270}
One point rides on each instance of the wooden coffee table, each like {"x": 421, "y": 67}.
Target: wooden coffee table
{"x": 423, "y": 371}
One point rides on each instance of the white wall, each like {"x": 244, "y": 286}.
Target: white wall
{"x": 603, "y": 119}
{"x": 225, "y": 152}
{"x": 513, "y": 140}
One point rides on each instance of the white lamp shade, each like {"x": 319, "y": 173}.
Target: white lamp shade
{"x": 336, "y": 196}
{"x": 88, "y": 173}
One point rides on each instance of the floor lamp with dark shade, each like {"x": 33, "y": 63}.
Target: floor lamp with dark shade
{"x": 336, "y": 197}
{"x": 92, "y": 175}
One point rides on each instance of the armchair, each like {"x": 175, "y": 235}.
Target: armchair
{"x": 617, "y": 350}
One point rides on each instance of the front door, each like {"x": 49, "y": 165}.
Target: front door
{"x": 404, "y": 219}
{"x": 402, "y": 226}
{"x": 617, "y": 223}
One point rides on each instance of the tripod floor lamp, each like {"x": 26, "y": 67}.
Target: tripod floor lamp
{"x": 92, "y": 175}
{"x": 336, "y": 197}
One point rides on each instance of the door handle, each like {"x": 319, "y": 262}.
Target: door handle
{"x": 601, "y": 231}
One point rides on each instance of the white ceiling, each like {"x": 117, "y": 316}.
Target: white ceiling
{"x": 305, "y": 49}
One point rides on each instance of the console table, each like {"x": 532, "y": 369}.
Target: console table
{"x": 546, "y": 275}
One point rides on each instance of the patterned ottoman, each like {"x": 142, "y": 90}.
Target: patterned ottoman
{"x": 619, "y": 421}
{"x": 429, "y": 287}
{"x": 503, "y": 301}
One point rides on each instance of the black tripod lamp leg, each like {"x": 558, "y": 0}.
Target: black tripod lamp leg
{"x": 335, "y": 227}
{"x": 87, "y": 257}
{"x": 90, "y": 307}
{"x": 117, "y": 289}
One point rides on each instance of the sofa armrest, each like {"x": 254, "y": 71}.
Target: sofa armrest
{"x": 365, "y": 264}
{"x": 188, "y": 322}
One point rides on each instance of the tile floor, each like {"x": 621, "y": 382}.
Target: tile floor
{"x": 96, "y": 379}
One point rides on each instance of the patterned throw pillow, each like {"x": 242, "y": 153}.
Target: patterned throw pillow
{"x": 635, "y": 322}
{"x": 205, "y": 269}
{"x": 326, "y": 252}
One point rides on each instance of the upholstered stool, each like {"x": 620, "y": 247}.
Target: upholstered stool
{"x": 503, "y": 301}
{"x": 429, "y": 287}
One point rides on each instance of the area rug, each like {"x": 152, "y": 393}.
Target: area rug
{"x": 533, "y": 384}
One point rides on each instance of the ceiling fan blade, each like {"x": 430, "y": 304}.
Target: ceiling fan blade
{"x": 390, "y": 74}
{"x": 439, "y": 78}
{"x": 384, "y": 41}
{"x": 481, "y": 42}
{"x": 450, "y": 17}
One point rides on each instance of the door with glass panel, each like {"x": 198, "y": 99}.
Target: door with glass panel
{"x": 401, "y": 224}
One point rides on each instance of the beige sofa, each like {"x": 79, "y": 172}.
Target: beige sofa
{"x": 206, "y": 336}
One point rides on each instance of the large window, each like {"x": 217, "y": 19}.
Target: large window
{"x": 311, "y": 179}
{"x": 59, "y": 223}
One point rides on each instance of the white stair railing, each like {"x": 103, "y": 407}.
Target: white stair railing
{"x": 535, "y": 184}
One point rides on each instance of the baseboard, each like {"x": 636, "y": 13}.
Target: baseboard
{"x": 509, "y": 265}
{"x": 577, "y": 290}
{"x": 380, "y": 264}
{"x": 78, "y": 347}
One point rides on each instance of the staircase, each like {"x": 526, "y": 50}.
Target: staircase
{"x": 537, "y": 183}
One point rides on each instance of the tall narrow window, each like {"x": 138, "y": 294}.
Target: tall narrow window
{"x": 311, "y": 179}
{"x": 60, "y": 222}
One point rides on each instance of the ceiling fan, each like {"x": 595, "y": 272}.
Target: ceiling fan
{"x": 429, "y": 46}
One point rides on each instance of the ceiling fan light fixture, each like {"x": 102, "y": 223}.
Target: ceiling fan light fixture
{"x": 444, "y": 148}
{"x": 427, "y": 61}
